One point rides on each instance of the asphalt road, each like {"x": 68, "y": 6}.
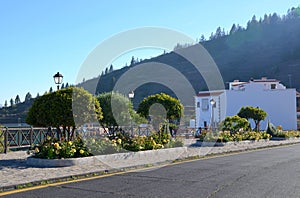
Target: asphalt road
{"x": 264, "y": 173}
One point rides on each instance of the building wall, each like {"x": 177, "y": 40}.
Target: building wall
{"x": 205, "y": 115}
{"x": 280, "y": 105}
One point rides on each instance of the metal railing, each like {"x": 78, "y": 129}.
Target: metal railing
{"x": 16, "y": 138}
{"x": 23, "y": 137}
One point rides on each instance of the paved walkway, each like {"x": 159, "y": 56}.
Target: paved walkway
{"x": 14, "y": 170}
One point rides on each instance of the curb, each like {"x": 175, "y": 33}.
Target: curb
{"x": 118, "y": 160}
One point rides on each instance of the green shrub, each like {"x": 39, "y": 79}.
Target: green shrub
{"x": 101, "y": 146}
{"x": 234, "y": 124}
{"x": 51, "y": 148}
{"x": 226, "y": 136}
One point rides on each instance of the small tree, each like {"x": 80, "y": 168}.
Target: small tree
{"x": 173, "y": 107}
{"x": 254, "y": 113}
{"x": 117, "y": 111}
{"x": 234, "y": 124}
{"x": 67, "y": 109}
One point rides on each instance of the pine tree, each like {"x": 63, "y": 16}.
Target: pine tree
{"x": 202, "y": 38}
{"x": 111, "y": 68}
{"x": 17, "y": 99}
{"x": 50, "y": 90}
{"x": 132, "y": 62}
{"x": 11, "y": 102}
{"x": 28, "y": 97}
{"x": 218, "y": 33}
{"x": 233, "y": 29}
{"x": 5, "y": 103}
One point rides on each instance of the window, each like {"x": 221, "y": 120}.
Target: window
{"x": 198, "y": 104}
{"x": 273, "y": 86}
{"x": 205, "y": 104}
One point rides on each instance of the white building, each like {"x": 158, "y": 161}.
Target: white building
{"x": 267, "y": 94}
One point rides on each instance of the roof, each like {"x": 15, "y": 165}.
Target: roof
{"x": 264, "y": 79}
{"x": 210, "y": 93}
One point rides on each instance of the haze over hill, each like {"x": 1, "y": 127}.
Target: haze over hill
{"x": 267, "y": 47}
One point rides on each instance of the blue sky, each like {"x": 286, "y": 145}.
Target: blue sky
{"x": 39, "y": 38}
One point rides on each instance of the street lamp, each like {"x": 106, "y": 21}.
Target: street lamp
{"x": 213, "y": 105}
{"x": 131, "y": 96}
{"x": 58, "y": 79}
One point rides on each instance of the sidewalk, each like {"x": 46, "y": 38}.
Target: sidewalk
{"x": 14, "y": 171}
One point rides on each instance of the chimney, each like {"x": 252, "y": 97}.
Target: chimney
{"x": 264, "y": 78}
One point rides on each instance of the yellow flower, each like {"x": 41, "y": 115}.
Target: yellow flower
{"x": 37, "y": 150}
{"x": 48, "y": 137}
{"x": 93, "y": 140}
{"x": 73, "y": 150}
{"x": 81, "y": 151}
{"x": 164, "y": 141}
{"x": 114, "y": 144}
{"x": 56, "y": 145}
{"x": 119, "y": 141}
{"x": 57, "y": 152}
{"x": 70, "y": 143}
{"x": 114, "y": 141}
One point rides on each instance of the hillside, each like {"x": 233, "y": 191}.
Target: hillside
{"x": 267, "y": 47}
{"x": 16, "y": 113}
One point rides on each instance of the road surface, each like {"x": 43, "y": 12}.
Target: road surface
{"x": 264, "y": 173}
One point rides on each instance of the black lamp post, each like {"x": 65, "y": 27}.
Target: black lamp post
{"x": 58, "y": 78}
{"x": 213, "y": 105}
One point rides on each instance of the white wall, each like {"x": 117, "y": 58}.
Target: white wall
{"x": 280, "y": 105}
{"x": 206, "y": 115}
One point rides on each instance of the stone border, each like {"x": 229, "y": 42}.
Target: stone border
{"x": 129, "y": 159}
{"x": 116, "y": 160}
{"x": 244, "y": 142}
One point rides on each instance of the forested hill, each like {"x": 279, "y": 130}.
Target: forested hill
{"x": 267, "y": 47}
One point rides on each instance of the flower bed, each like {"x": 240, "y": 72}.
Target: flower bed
{"x": 52, "y": 148}
{"x": 232, "y": 137}
{"x": 287, "y": 134}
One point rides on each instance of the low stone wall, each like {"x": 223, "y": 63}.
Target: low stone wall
{"x": 118, "y": 160}
{"x": 123, "y": 160}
